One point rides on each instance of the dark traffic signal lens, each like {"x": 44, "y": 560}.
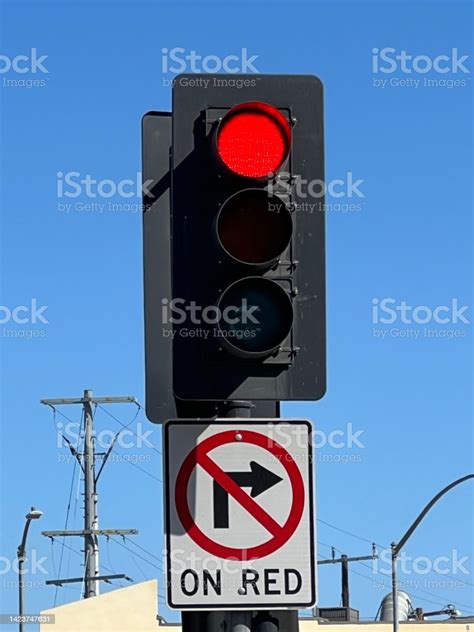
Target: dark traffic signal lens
{"x": 256, "y": 317}
{"x": 253, "y": 139}
{"x": 254, "y": 227}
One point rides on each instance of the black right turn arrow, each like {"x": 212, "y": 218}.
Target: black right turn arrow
{"x": 259, "y": 479}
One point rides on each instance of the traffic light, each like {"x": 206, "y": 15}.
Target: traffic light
{"x": 243, "y": 314}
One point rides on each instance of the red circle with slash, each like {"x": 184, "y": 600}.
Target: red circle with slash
{"x": 200, "y": 456}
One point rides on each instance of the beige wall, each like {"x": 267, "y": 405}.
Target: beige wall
{"x": 131, "y": 609}
{"x": 134, "y": 609}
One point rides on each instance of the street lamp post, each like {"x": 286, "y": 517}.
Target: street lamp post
{"x": 396, "y": 547}
{"x": 33, "y": 514}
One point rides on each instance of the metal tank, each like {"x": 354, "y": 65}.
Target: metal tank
{"x": 405, "y": 607}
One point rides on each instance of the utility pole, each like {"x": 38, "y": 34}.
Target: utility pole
{"x": 345, "y": 581}
{"x": 87, "y": 462}
{"x": 91, "y": 543}
{"x": 344, "y": 562}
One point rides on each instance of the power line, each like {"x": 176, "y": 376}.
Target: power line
{"x": 351, "y": 534}
{"x": 144, "y": 471}
{"x": 54, "y": 563}
{"x": 57, "y": 410}
{"x": 415, "y": 594}
{"x": 382, "y": 546}
{"x": 136, "y": 554}
{"x": 144, "y": 550}
{"x": 126, "y": 426}
{"x": 66, "y": 521}
{"x": 107, "y": 412}
{"x": 76, "y": 502}
{"x": 133, "y": 553}
{"x": 110, "y": 561}
{"x": 141, "y": 571}
{"x": 66, "y": 546}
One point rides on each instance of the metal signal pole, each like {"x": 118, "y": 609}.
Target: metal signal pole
{"x": 237, "y": 620}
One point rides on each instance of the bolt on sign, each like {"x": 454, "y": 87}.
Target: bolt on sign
{"x": 239, "y": 519}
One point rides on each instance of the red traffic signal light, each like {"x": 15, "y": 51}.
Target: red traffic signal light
{"x": 253, "y": 139}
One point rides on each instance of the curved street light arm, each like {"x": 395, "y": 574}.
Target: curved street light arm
{"x": 397, "y": 546}
{"x": 22, "y": 545}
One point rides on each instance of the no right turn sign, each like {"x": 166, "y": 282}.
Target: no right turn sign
{"x": 239, "y": 514}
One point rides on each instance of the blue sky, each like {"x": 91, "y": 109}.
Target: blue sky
{"x": 409, "y": 239}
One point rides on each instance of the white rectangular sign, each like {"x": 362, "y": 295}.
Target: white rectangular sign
{"x": 239, "y": 523}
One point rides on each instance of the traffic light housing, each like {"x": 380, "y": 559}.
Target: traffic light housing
{"x": 244, "y": 311}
